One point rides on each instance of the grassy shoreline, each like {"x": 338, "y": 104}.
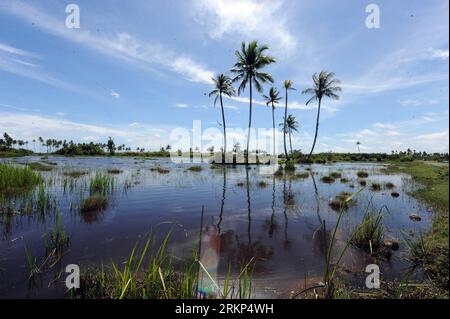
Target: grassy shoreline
{"x": 433, "y": 181}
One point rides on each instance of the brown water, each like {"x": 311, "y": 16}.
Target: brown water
{"x": 278, "y": 223}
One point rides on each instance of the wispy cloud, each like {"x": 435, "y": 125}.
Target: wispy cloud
{"x": 9, "y": 62}
{"x": 122, "y": 45}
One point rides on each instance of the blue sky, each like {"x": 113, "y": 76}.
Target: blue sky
{"x": 136, "y": 70}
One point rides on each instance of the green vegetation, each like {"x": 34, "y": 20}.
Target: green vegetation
{"x": 223, "y": 85}
{"x": 195, "y": 168}
{"x": 302, "y": 175}
{"x": 344, "y": 180}
{"x": 327, "y": 179}
{"x": 289, "y": 166}
{"x": 325, "y": 85}
{"x": 114, "y": 171}
{"x": 160, "y": 170}
{"x": 362, "y": 174}
{"x": 56, "y": 239}
{"x": 375, "y": 187}
{"x": 81, "y": 149}
{"x": 262, "y": 184}
{"x": 336, "y": 175}
{"x": 369, "y": 234}
{"x": 431, "y": 251}
{"x": 389, "y": 185}
{"x": 101, "y": 184}
{"x": 17, "y": 179}
{"x": 94, "y": 203}
{"x": 149, "y": 273}
{"x": 342, "y": 202}
{"x": 36, "y": 166}
{"x": 75, "y": 174}
{"x": 273, "y": 98}
{"x": 249, "y": 61}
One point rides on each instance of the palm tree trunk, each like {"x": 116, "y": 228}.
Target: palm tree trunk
{"x": 249, "y": 123}
{"x": 224, "y": 131}
{"x": 273, "y": 123}
{"x": 290, "y": 141}
{"x": 317, "y": 128}
{"x": 284, "y": 128}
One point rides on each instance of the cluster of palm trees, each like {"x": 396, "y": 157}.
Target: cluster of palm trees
{"x": 250, "y": 60}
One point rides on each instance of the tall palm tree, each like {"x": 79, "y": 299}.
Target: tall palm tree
{"x": 250, "y": 59}
{"x": 358, "y": 143}
{"x": 273, "y": 98}
{"x": 287, "y": 86}
{"x": 292, "y": 126}
{"x": 325, "y": 85}
{"x": 222, "y": 85}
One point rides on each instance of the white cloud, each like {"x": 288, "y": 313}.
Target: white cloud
{"x": 253, "y": 19}
{"x": 181, "y": 105}
{"x": 438, "y": 53}
{"x": 121, "y": 45}
{"x": 115, "y": 94}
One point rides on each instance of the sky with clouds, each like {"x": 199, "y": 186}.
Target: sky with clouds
{"x": 137, "y": 70}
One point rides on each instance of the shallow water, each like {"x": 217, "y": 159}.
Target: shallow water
{"x": 278, "y": 222}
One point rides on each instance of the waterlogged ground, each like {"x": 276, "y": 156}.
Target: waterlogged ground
{"x": 276, "y": 220}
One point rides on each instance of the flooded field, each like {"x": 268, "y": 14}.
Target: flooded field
{"x": 277, "y": 220}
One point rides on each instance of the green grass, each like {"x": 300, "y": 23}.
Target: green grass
{"x": 432, "y": 249}
{"x": 149, "y": 273}
{"x": 17, "y": 179}
{"x": 101, "y": 184}
{"x": 57, "y": 239}
{"x": 369, "y": 235}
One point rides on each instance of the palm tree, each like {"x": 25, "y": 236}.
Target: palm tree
{"x": 324, "y": 85}
{"x": 273, "y": 98}
{"x": 222, "y": 85}
{"x": 358, "y": 143}
{"x": 292, "y": 126}
{"x": 250, "y": 59}
{"x": 287, "y": 86}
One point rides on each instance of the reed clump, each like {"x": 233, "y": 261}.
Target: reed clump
{"x": 36, "y": 166}
{"x": 101, "y": 184}
{"x": 196, "y": 168}
{"x": 362, "y": 174}
{"x": 95, "y": 203}
{"x": 369, "y": 235}
{"x": 328, "y": 179}
{"x": 16, "y": 179}
{"x": 149, "y": 273}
